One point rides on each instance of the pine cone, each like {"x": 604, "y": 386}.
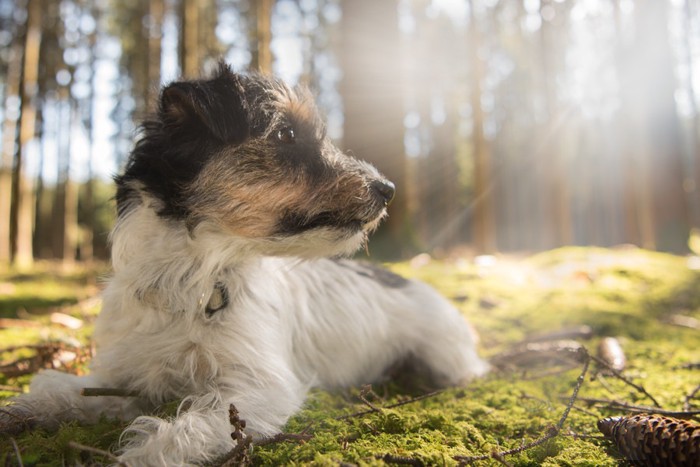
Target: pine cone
{"x": 654, "y": 440}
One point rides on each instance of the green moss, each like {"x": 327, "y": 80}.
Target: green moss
{"x": 630, "y": 294}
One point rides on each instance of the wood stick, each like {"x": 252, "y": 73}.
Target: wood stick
{"x": 114, "y": 392}
{"x": 108, "y": 455}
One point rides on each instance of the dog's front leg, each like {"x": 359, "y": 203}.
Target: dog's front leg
{"x": 56, "y": 397}
{"x": 201, "y": 430}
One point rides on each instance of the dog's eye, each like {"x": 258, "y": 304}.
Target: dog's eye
{"x": 286, "y": 135}
{"x": 218, "y": 300}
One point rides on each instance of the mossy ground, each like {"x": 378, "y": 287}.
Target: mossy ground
{"x": 629, "y": 294}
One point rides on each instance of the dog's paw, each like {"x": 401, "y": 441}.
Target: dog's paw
{"x": 188, "y": 439}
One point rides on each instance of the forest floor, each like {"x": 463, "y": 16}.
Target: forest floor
{"x": 533, "y": 314}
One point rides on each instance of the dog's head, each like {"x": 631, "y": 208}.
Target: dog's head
{"x": 249, "y": 157}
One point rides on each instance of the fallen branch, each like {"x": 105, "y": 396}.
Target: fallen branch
{"x": 551, "y": 431}
{"x": 4, "y": 387}
{"x": 18, "y": 323}
{"x": 622, "y": 378}
{"x": 282, "y": 437}
{"x": 101, "y": 452}
{"x": 113, "y": 392}
{"x": 50, "y": 355}
{"x": 690, "y": 396}
{"x": 238, "y": 455}
{"x": 617, "y": 405}
{"x": 392, "y": 406}
{"x": 392, "y": 459}
{"x": 17, "y": 453}
{"x": 367, "y": 390}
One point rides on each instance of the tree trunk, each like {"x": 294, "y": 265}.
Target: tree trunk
{"x": 262, "y": 54}
{"x": 189, "y": 39}
{"x": 693, "y": 135}
{"x": 653, "y": 135}
{"x": 70, "y": 202}
{"x": 9, "y": 143}
{"x": 371, "y": 89}
{"x": 556, "y": 229}
{"x": 155, "y": 34}
{"x": 483, "y": 219}
{"x": 23, "y": 184}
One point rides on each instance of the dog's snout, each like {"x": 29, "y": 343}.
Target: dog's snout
{"x": 385, "y": 189}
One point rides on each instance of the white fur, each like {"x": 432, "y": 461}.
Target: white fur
{"x": 290, "y": 324}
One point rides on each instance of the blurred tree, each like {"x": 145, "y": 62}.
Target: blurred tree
{"x": 23, "y": 194}
{"x": 373, "y": 105}
{"x": 89, "y": 234}
{"x": 483, "y": 219}
{"x": 261, "y": 60}
{"x": 154, "y": 30}
{"x": 433, "y": 70}
{"x": 690, "y": 20}
{"x": 554, "y": 197}
{"x": 190, "y": 59}
{"x": 50, "y": 63}
{"x": 12, "y": 61}
{"x": 655, "y": 195}
{"x": 126, "y": 23}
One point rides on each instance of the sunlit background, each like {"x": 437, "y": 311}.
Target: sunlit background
{"x": 507, "y": 125}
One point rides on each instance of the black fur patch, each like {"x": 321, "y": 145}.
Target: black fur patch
{"x": 374, "y": 272}
{"x": 194, "y": 120}
{"x": 294, "y": 223}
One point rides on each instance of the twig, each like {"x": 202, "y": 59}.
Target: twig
{"x": 576, "y": 332}
{"x": 392, "y": 406}
{"x": 235, "y": 456}
{"x": 18, "y": 323}
{"x": 688, "y": 366}
{"x": 500, "y": 459}
{"x": 17, "y": 453}
{"x": 367, "y": 389}
{"x": 619, "y": 375}
{"x": 281, "y": 437}
{"x": 107, "y": 454}
{"x": 552, "y": 431}
{"x": 587, "y": 412}
{"x": 4, "y": 387}
{"x": 640, "y": 408}
{"x": 392, "y": 459}
{"x": 117, "y": 392}
{"x": 689, "y": 397}
{"x": 46, "y": 345}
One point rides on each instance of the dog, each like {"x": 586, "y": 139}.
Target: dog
{"x": 229, "y": 286}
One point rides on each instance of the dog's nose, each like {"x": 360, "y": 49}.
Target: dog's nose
{"x": 385, "y": 189}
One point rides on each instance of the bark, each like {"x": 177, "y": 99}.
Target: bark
{"x": 262, "y": 54}
{"x": 9, "y": 140}
{"x": 189, "y": 39}
{"x": 483, "y": 219}
{"x": 155, "y": 34}
{"x": 23, "y": 191}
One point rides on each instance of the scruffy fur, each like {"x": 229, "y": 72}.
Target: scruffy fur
{"x": 233, "y": 212}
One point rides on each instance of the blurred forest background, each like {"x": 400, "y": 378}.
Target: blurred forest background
{"x": 507, "y": 125}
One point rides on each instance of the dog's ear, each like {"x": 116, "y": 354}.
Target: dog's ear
{"x": 217, "y": 106}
